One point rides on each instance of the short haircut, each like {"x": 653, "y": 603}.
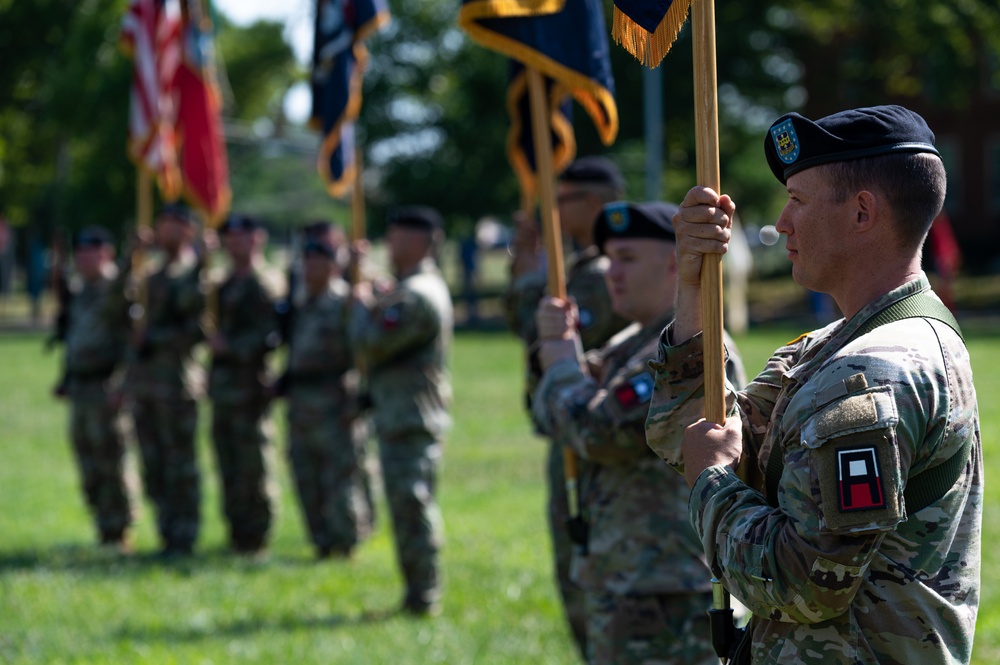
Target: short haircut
{"x": 914, "y": 184}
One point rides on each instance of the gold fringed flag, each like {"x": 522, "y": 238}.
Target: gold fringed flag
{"x": 647, "y": 28}
{"x": 565, "y": 40}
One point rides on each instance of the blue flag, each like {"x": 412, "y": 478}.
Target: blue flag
{"x": 647, "y": 28}
{"x": 521, "y": 140}
{"x": 565, "y": 40}
{"x": 339, "y": 60}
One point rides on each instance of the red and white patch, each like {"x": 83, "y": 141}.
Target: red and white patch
{"x": 859, "y": 479}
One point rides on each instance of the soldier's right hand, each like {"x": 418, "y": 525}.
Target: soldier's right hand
{"x": 703, "y": 223}
{"x": 556, "y": 319}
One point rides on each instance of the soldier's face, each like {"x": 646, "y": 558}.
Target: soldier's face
{"x": 172, "y": 233}
{"x": 317, "y": 272}
{"x": 406, "y": 246}
{"x": 578, "y": 209}
{"x": 239, "y": 244}
{"x": 817, "y": 231}
{"x": 89, "y": 260}
{"x": 641, "y": 277}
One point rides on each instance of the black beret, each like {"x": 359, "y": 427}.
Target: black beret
{"x": 239, "y": 223}
{"x": 594, "y": 170}
{"x": 178, "y": 211}
{"x": 620, "y": 219}
{"x": 318, "y": 247}
{"x": 92, "y": 236}
{"x": 422, "y": 218}
{"x": 794, "y": 143}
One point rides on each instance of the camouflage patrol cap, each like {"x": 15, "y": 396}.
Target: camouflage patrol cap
{"x": 422, "y": 218}
{"x": 794, "y": 143}
{"x": 318, "y": 247}
{"x": 237, "y": 222}
{"x": 594, "y": 170}
{"x": 92, "y": 236}
{"x": 652, "y": 220}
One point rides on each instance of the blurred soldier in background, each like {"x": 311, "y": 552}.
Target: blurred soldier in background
{"x": 246, "y": 331}
{"x": 646, "y": 581}
{"x": 583, "y": 189}
{"x": 96, "y": 332}
{"x": 164, "y": 380}
{"x": 326, "y": 431}
{"x": 404, "y": 336}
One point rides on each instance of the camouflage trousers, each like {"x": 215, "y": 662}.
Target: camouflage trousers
{"x": 562, "y": 548}
{"x": 410, "y": 468}
{"x": 96, "y": 431}
{"x": 660, "y": 629}
{"x": 165, "y": 430}
{"x": 328, "y": 462}
{"x": 242, "y": 435}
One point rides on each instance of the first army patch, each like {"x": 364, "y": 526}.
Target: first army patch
{"x": 859, "y": 482}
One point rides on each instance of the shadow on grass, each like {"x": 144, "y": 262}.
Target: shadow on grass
{"x": 250, "y": 627}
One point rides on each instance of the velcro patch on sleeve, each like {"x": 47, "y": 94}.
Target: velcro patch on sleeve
{"x": 390, "y": 318}
{"x": 859, "y": 481}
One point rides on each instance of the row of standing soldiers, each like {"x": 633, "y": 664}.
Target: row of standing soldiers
{"x": 357, "y": 356}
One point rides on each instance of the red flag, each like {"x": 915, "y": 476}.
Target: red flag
{"x": 151, "y": 33}
{"x": 202, "y": 149}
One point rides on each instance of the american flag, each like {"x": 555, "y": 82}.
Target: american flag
{"x": 151, "y": 34}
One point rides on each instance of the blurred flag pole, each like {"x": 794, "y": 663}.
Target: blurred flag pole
{"x": 358, "y": 230}
{"x": 553, "y": 240}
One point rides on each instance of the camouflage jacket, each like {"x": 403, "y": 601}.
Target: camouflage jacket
{"x": 166, "y": 368}
{"x": 247, "y": 322}
{"x": 640, "y": 538}
{"x": 839, "y": 571}
{"x": 320, "y": 373}
{"x": 97, "y": 336}
{"x": 406, "y": 338}
{"x": 585, "y": 284}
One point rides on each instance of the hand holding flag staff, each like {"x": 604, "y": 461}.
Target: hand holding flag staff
{"x": 647, "y": 30}
{"x": 564, "y": 41}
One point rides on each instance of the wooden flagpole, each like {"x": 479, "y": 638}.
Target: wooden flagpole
{"x": 706, "y": 118}
{"x": 541, "y": 134}
{"x": 358, "y": 231}
{"x": 143, "y": 220}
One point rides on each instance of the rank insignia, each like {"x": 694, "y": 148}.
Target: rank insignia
{"x": 859, "y": 479}
{"x": 786, "y": 141}
{"x": 635, "y": 391}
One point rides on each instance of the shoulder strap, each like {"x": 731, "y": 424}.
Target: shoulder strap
{"x": 931, "y": 484}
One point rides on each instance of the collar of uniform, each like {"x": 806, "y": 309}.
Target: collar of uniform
{"x": 839, "y": 332}
{"x": 184, "y": 263}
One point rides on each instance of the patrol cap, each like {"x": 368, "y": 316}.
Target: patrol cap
{"x": 422, "y": 218}
{"x": 236, "y": 222}
{"x": 594, "y": 170}
{"x": 794, "y": 143}
{"x": 92, "y": 236}
{"x": 318, "y": 247}
{"x": 621, "y": 219}
{"x": 178, "y": 211}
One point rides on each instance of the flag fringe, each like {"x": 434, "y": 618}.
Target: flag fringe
{"x": 650, "y": 48}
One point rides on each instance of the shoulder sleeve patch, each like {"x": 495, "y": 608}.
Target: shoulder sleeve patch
{"x": 586, "y": 318}
{"x": 634, "y": 391}
{"x": 859, "y": 482}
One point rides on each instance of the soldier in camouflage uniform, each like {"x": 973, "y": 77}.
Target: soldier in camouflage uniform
{"x": 96, "y": 337}
{"x": 405, "y": 336}
{"x": 647, "y": 585}
{"x": 326, "y": 431}
{"x": 583, "y": 188}
{"x": 861, "y": 544}
{"x": 241, "y": 426}
{"x": 164, "y": 380}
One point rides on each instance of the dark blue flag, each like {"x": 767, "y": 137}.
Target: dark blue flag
{"x": 521, "y": 141}
{"x": 565, "y": 40}
{"x": 339, "y": 60}
{"x": 647, "y": 28}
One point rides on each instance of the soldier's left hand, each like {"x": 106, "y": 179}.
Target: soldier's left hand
{"x": 708, "y": 444}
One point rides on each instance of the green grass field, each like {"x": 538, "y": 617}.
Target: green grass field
{"x": 64, "y": 601}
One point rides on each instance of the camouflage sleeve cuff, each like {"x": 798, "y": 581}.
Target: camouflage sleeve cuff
{"x": 557, "y": 377}
{"x": 715, "y": 482}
